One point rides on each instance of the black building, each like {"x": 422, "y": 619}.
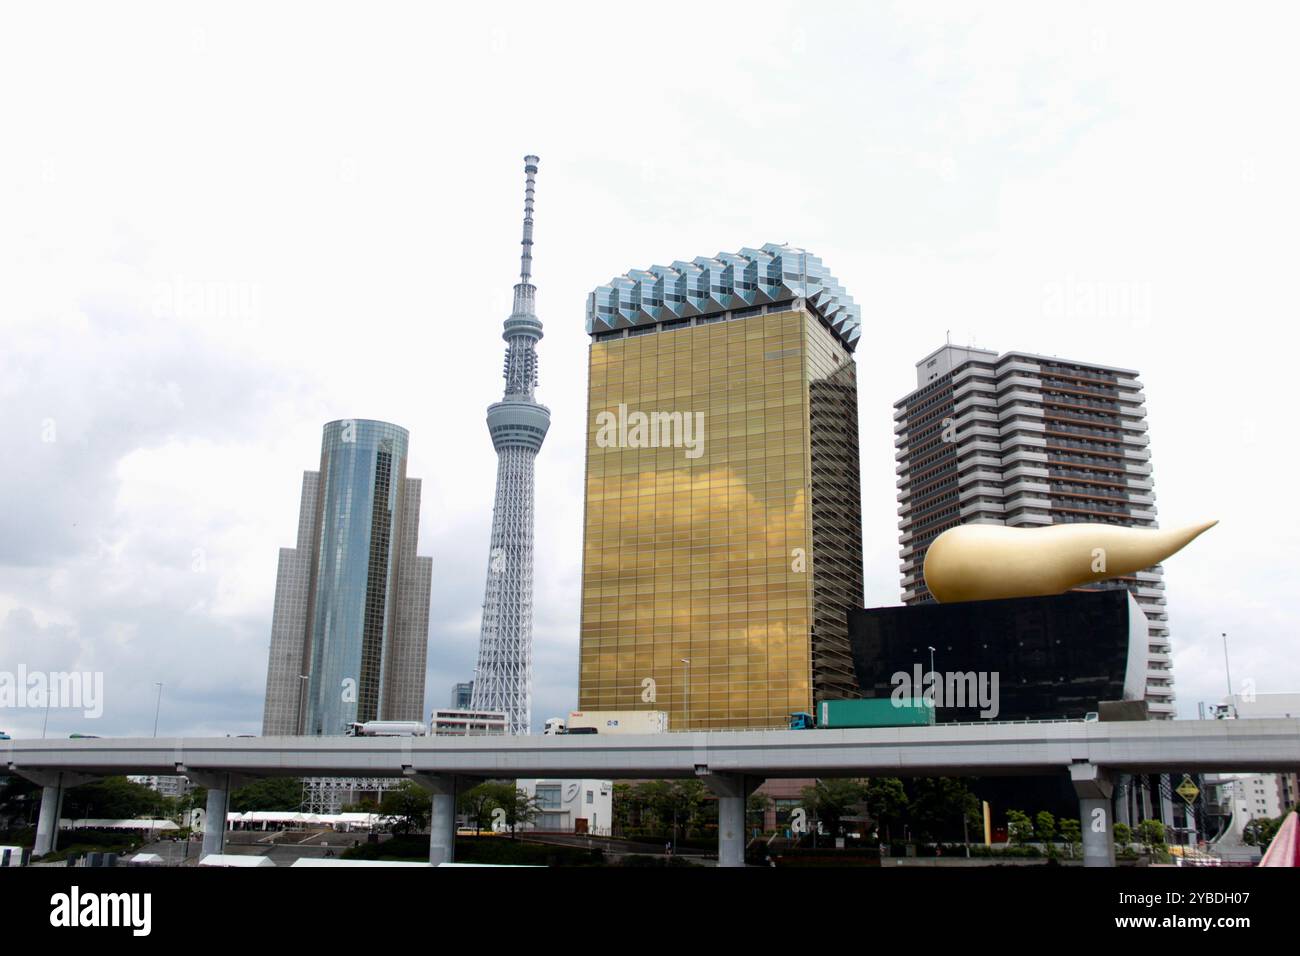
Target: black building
{"x": 1052, "y": 657}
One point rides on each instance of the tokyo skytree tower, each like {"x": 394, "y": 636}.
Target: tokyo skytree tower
{"x": 503, "y": 680}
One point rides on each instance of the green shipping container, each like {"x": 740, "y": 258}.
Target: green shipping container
{"x": 880, "y": 712}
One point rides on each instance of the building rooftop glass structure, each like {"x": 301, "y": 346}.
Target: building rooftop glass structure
{"x": 661, "y": 297}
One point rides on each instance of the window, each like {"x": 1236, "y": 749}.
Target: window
{"x": 591, "y": 797}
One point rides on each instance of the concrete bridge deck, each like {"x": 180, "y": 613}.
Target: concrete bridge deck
{"x": 732, "y": 763}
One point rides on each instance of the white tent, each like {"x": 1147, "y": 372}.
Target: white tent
{"x": 316, "y": 861}
{"x": 234, "y": 860}
{"x": 95, "y": 824}
{"x": 263, "y": 819}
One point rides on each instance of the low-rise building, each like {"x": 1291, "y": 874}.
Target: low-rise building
{"x": 458, "y": 722}
{"x": 572, "y": 806}
{"x": 167, "y": 786}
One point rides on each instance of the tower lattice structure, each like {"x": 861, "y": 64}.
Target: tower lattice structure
{"x": 503, "y": 680}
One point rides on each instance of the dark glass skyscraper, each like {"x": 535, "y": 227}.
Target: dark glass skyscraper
{"x": 349, "y": 633}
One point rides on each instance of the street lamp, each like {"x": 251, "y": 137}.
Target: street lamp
{"x": 157, "y": 708}
{"x": 932, "y": 667}
{"x": 686, "y": 696}
{"x": 302, "y": 702}
{"x": 1228, "y": 671}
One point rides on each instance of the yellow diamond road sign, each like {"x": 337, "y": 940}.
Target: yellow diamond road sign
{"x": 1188, "y": 790}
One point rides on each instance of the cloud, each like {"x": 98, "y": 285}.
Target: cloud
{"x": 200, "y": 272}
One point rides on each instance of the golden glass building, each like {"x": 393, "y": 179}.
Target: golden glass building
{"x": 722, "y": 540}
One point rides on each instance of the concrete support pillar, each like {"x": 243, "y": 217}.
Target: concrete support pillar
{"x": 1124, "y": 799}
{"x": 442, "y": 815}
{"x": 214, "y": 821}
{"x": 1146, "y": 809}
{"x": 219, "y": 784}
{"x": 732, "y": 791}
{"x": 1096, "y": 814}
{"x": 1166, "y": 803}
{"x": 47, "y": 824}
{"x": 54, "y": 786}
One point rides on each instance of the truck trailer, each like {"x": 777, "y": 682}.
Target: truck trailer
{"x": 617, "y": 722}
{"x": 388, "y": 728}
{"x": 879, "y": 712}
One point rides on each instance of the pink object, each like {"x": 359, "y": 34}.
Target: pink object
{"x": 1285, "y": 848}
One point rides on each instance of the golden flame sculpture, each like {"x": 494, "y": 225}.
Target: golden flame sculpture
{"x": 982, "y": 562}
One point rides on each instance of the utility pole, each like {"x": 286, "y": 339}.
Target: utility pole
{"x": 1228, "y": 671}
{"x": 686, "y": 696}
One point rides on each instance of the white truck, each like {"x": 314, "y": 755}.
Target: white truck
{"x": 617, "y": 722}
{"x": 388, "y": 728}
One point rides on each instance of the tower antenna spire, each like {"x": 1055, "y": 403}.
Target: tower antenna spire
{"x": 526, "y": 258}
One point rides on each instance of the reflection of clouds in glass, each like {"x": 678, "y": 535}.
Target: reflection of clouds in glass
{"x": 718, "y": 497}
{"x": 693, "y": 559}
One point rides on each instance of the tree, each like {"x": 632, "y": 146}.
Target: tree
{"x": 1071, "y": 833}
{"x": 1260, "y": 831}
{"x": 940, "y": 806}
{"x": 670, "y": 804}
{"x": 19, "y": 799}
{"x": 1151, "y": 834}
{"x": 654, "y": 804}
{"x": 1123, "y": 835}
{"x": 522, "y": 810}
{"x": 829, "y": 801}
{"x": 624, "y": 806}
{"x": 114, "y": 798}
{"x": 1045, "y": 826}
{"x": 270, "y": 793}
{"x": 756, "y": 808}
{"x": 695, "y": 804}
{"x": 887, "y": 804}
{"x": 405, "y": 808}
{"x": 479, "y": 801}
{"x": 1019, "y": 830}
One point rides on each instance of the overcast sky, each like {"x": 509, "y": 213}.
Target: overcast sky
{"x": 220, "y": 230}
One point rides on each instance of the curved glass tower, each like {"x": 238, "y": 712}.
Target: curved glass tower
{"x": 362, "y": 466}
{"x": 350, "y": 627}
{"x": 503, "y": 680}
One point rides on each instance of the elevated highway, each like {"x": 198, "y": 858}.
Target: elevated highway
{"x": 731, "y": 763}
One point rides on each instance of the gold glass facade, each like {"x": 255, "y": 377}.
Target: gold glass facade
{"x": 735, "y": 547}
